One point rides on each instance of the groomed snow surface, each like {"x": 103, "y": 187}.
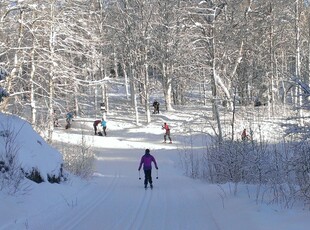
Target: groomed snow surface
{"x": 115, "y": 199}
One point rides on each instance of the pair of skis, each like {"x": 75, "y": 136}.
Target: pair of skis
{"x": 147, "y": 187}
{"x": 168, "y": 142}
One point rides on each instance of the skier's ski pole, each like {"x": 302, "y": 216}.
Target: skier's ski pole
{"x": 139, "y": 175}
{"x": 156, "y": 173}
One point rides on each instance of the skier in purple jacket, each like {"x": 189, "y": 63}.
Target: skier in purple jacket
{"x": 147, "y": 160}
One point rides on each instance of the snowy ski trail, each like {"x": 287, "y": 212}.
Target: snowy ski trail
{"x": 115, "y": 199}
{"x": 121, "y": 202}
{"x": 90, "y": 207}
{"x": 124, "y": 204}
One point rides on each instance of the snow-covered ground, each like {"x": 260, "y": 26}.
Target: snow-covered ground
{"x": 114, "y": 198}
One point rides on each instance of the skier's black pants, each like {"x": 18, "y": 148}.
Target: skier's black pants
{"x": 104, "y": 130}
{"x": 95, "y": 128}
{"x": 167, "y": 134}
{"x": 148, "y": 176}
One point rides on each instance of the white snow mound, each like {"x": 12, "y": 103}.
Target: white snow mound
{"x": 31, "y": 149}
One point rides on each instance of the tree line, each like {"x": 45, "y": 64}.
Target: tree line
{"x": 238, "y": 52}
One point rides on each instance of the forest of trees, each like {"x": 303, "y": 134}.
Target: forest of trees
{"x": 241, "y": 52}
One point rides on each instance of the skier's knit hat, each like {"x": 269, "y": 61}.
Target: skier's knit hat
{"x": 147, "y": 151}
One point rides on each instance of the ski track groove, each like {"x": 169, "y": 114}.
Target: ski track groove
{"x": 141, "y": 212}
{"x": 165, "y": 209}
{"x": 205, "y": 201}
{"x": 73, "y": 223}
{"x": 144, "y": 202}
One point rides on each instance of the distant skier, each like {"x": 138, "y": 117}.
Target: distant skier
{"x": 56, "y": 122}
{"x": 167, "y": 133}
{"x": 69, "y": 119}
{"x": 156, "y": 107}
{"x": 95, "y": 124}
{"x": 244, "y": 135}
{"x": 104, "y": 126}
{"x": 147, "y": 160}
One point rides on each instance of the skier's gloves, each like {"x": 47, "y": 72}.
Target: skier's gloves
{"x": 157, "y": 168}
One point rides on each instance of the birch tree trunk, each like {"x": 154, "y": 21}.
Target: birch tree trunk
{"x": 298, "y": 62}
{"x": 52, "y": 72}
{"x": 126, "y": 79}
{"x": 167, "y": 81}
{"x": 105, "y": 101}
{"x": 32, "y": 85}
{"x": 76, "y": 99}
{"x": 216, "y": 114}
{"x": 146, "y": 88}
{"x": 133, "y": 93}
{"x": 233, "y": 73}
{"x": 271, "y": 101}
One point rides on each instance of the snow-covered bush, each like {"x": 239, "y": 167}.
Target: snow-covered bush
{"x": 79, "y": 159}
{"x": 11, "y": 175}
{"x": 280, "y": 172}
{"x": 190, "y": 160}
{"x": 300, "y": 164}
{"x": 225, "y": 161}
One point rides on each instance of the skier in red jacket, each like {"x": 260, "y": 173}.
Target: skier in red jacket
{"x": 95, "y": 124}
{"x": 147, "y": 160}
{"x": 167, "y": 133}
{"x": 244, "y": 135}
